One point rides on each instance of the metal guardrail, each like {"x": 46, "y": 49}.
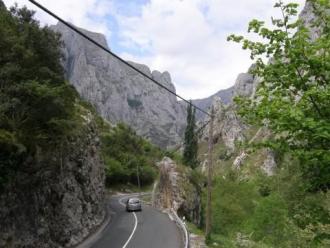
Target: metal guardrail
{"x": 182, "y": 225}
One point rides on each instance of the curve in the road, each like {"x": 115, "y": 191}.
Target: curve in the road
{"x": 135, "y": 225}
{"x": 148, "y": 229}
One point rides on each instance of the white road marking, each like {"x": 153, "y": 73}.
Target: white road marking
{"x": 131, "y": 236}
{"x": 121, "y": 203}
{"x": 135, "y": 225}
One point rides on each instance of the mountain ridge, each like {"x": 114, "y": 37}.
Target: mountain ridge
{"x": 119, "y": 93}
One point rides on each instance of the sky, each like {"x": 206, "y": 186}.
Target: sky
{"x": 187, "y": 38}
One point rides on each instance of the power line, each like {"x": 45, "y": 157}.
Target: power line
{"x": 201, "y": 128}
{"x": 113, "y": 54}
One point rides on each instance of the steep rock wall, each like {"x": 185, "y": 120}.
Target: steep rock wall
{"x": 174, "y": 190}
{"x": 58, "y": 198}
{"x": 119, "y": 93}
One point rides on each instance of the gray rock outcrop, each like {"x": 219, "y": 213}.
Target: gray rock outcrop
{"x": 308, "y": 16}
{"x": 175, "y": 191}
{"x": 58, "y": 198}
{"x": 119, "y": 93}
{"x": 228, "y": 128}
{"x": 205, "y": 103}
{"x": 269, "y": 163}
{"x": 244, "y": 85}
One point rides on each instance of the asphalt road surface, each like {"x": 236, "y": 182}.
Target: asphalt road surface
{"x": 146, "y": 229}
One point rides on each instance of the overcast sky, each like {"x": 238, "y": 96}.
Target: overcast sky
{"x": 185, "y": 37}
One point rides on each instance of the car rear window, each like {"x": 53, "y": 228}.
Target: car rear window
{"x": 134, "y": 200}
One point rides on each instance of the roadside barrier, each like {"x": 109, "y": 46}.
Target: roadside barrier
{"x": 183, "y": 228}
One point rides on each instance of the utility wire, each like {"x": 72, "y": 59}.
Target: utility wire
{"x": 201, "y": 128}
{"x": 113, "y": 54}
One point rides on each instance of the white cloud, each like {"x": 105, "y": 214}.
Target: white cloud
{"x": 88, "y": 14}
{"x": 188, "y": 38}
{"x": 185, "y": 37}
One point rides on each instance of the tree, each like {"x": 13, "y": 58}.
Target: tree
{"x": 190, "y": 139}
{"x": 293, "y": 97}
{"x": 37, "y": 107}
{"x": 125, "y": 153}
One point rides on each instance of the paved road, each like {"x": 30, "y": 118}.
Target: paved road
{"x": 146, "y": 229}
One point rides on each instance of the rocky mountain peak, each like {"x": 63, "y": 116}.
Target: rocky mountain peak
{"x": 119, "y": 93}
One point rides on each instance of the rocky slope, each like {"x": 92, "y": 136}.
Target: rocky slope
{"x": 229, "y": 128}
{"x": 230, "y": 131}
{"x": 175, "y": 191}
{"x": 58, "y": 198}
{"x": 119, "y": 93}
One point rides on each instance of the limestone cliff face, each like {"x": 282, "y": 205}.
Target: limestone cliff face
{"x": 175, "y": 191}
{"x": 229, "y": 128}
{"x": 56, "y": 199}
{"x": 225, "y": 95}
{"x": 307, "y": 15}
{"x": 119, "y": 93}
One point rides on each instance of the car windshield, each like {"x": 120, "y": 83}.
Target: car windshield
{"x": 134, "y": 200}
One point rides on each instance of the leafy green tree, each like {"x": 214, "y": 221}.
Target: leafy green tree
{"x": 190, "y": 139}
{"x": 37, "y": 107}
{"x": 126, "y": 154}
{"x": 293, "y": 96}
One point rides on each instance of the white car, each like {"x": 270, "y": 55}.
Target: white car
{"x": 133, "y": 204}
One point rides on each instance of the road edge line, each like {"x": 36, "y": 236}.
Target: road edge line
{"x": 134, "y": 229}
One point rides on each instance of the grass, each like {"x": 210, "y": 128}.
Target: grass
{"x": 192, "y": 228}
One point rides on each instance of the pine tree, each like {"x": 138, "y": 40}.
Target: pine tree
{"x": 190, "y": 139}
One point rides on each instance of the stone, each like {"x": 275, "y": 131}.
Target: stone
{"x": 228, "y": 128}
{"x": 244, "y": 85}
{"x": 174, "y": 191}
{"x": 119, "y": 93}
{"x": 58, "y": 199}
{"x": 269, "y": 163}
{"x": 225, "y": 95}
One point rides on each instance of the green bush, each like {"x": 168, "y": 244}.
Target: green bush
{"x": 270, "y": 220}
{"x": 233, "y": 203}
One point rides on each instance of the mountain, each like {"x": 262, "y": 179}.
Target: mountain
{"x": 204, "y": 103}
{"x": 244, "y": 85}
{"x": 119, "y": 93}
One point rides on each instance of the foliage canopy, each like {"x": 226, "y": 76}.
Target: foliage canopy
{"x": 36, "y": 105}
{"x": 293, "y": 96}
{"x": 190, "y": 139}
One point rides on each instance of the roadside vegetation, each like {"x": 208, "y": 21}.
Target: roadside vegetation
{"x": 292, "y": 207}
{"x": 128, "y": 157}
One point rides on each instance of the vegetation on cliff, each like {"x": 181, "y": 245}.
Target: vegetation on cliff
{"x": 37, "y": 106}
{"x": 293, "y": 97}
{"x": 290, "y": 208}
